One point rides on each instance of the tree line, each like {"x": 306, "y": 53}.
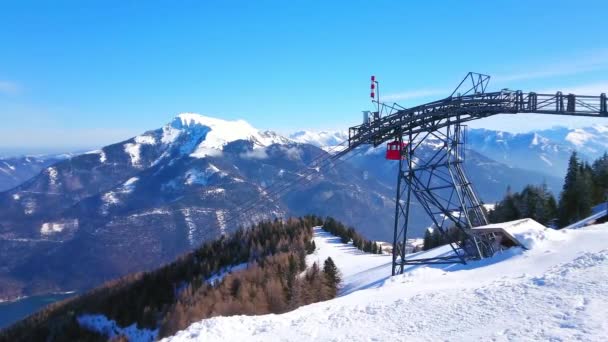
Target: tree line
{"x": 585, "y": 185}
{"x": 434, "y": 238}
{"x": 348, "y": 234}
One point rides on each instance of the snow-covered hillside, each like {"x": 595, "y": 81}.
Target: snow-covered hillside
{"x": 558, "y": 290}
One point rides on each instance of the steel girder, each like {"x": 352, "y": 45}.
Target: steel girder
{"x": 461, "y": 109}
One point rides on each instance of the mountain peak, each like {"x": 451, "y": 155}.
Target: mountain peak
{"x": 214, "y": 133}
{"x": 184, "y": 120}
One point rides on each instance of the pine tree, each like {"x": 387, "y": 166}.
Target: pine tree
{"x": 426, "y": 245}
{"x": 437, "y": 238}
{"x": 600, "y": 179}
{"x": 577, "y": 195}
{"x": 585, "y": 187}
{"x": 551, "y": 209}
{"x": 332, "y": 276}
{"x": 567, "y": 202}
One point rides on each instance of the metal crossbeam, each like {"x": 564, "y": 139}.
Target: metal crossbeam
{"x": 464, "y": 108}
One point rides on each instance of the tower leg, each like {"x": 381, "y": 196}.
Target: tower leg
{"x": 438, "y": 182}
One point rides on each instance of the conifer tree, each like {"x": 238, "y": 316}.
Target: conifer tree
{"x": 600, "y": 179}
{"x": 332, "y": 275}
{"x": 428, "y": 240}
{"x": 576, "y": 197}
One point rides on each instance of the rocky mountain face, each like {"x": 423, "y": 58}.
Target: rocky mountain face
{"x": 136, "y": 204}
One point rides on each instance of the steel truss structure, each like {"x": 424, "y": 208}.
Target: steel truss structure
{"x": 438, "y": 181}
{"x": 440, "y": 185}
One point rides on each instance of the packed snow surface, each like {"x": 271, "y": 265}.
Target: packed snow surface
{"x": 557, "y": 290}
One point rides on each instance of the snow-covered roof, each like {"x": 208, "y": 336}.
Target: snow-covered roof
{"x": 525, "y": 231}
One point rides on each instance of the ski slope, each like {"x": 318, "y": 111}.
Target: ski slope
{"x": 557, "y": 290}
{"x": 359, "y": 270}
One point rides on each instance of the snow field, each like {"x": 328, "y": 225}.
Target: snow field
{"x": 557, "y": 290}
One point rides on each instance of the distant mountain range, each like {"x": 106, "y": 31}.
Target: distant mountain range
{"x": 133, "y": 205}
{"x": 545, "y": 151}
{"x": 323, "y": 139}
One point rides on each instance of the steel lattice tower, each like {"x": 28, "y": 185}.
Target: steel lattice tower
{"x": 438, "y": 180}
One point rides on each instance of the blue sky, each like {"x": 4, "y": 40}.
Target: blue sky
{"x": 81, "y": 74}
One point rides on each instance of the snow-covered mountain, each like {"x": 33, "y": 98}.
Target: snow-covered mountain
{"x": 532, "y": 151}
{"x": 327, "y": 140}
{"x": 545, "y": 151}
{"x": 555, "y": 290}
{"x": 133, "y": 205}
{"x": 589, "y": 141}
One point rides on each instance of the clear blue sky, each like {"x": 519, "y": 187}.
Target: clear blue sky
{"x": 80, "y": 74}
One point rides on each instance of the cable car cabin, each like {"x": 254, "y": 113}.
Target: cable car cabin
{"x": 394, "y": 150}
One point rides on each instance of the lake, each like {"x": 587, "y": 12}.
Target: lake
{"x": 10, "y": 312}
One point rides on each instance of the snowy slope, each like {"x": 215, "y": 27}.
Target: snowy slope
{"x": 359, "y": 270}
{"x": 558, "y": 290}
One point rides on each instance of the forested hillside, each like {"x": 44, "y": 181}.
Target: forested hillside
{"x": 270, "y": 259}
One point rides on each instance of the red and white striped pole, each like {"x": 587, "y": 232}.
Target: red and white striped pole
{"x": 375, "y": 92}
{"x": 373, "y": 88}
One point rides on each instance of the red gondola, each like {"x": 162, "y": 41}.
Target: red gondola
{"x": 394, "y": 150}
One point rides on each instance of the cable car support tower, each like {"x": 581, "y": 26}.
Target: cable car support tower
{"x": 436, "y": 177}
